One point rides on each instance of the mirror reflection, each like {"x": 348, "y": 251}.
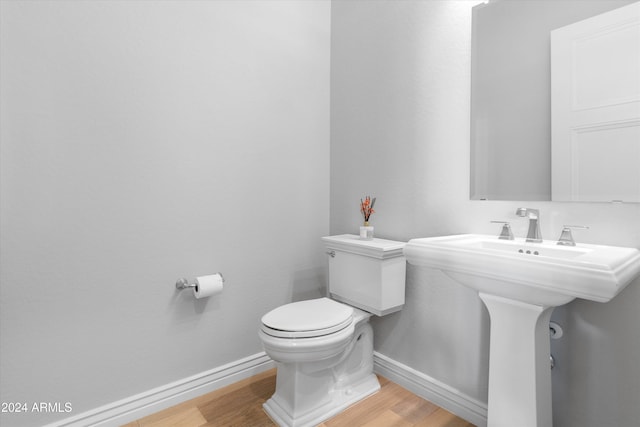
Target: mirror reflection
{"x": 555, "y": 108}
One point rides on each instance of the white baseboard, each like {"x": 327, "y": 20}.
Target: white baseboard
{"x": 151, "y": 401}
{"x": 135, "y": 407}
{"x": 435, "y": 391}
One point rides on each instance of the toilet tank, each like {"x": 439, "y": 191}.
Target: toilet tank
{"x": 367, "y": 274}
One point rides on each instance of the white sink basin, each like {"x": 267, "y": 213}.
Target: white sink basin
{"x": 520, "y": 283}
{"x": 536, "y": 273}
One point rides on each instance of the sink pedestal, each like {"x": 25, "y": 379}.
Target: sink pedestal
{"x": 519, "y": 366}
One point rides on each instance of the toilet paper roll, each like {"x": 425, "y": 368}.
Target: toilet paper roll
{"x": 207, "y": 286}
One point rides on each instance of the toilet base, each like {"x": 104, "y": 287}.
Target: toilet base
{"x": 338, "y": 400}
{"x": 310, "y": 392}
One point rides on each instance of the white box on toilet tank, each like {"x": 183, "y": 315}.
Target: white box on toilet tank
{"x": 368, "y": 274}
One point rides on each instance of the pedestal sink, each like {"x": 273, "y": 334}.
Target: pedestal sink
{"x": 521, "y": 283}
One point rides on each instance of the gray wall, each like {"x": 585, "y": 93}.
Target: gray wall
{"x": 142, "y": 142}
{"x": 400, "y": 132}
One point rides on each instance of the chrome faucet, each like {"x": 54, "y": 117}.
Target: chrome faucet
{"x": 533, "y": 235}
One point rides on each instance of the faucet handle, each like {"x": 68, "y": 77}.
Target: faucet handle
{"x": 566, "y": 238}
{"x": 506, "y": 233}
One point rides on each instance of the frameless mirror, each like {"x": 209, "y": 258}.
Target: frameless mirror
{"x": 555, "y": 105}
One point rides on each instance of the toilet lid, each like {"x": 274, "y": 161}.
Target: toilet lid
{"x": 306, "y": 319}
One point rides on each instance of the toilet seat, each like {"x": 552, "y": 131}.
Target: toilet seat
{"x": 307, "y": 319}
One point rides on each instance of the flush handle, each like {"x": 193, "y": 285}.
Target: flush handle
{"x": 332, "y": 254}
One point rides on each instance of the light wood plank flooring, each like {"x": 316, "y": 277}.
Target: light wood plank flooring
{"x": 240, "y": 404}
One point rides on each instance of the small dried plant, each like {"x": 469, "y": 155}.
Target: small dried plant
{"x": 366, "y": 207}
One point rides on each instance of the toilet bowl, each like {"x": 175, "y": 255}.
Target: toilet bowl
{"x": 307, "y": 330}
{"x": 323, "y": 348}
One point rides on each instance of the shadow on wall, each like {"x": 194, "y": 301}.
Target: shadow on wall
{"x": 442, "y": 331}
{"x": 596, "y": 349}
{"x": 308, "y": 284}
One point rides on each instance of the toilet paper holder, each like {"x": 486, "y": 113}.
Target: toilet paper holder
{"x": 184, "y": 283}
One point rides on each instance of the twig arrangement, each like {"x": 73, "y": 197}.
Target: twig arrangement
{"x": 366, "y": 207}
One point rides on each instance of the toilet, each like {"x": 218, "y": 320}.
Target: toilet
{"x": 323, "y": 348}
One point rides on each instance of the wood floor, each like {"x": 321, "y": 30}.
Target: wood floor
{"x": 240, "y": 405}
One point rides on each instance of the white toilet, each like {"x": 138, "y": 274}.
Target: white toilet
{"x": 323, "y": 348}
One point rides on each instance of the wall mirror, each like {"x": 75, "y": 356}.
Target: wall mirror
{"x": 555, "y": 100}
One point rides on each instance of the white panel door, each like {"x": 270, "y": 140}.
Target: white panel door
{"x": 595, "y": 107}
